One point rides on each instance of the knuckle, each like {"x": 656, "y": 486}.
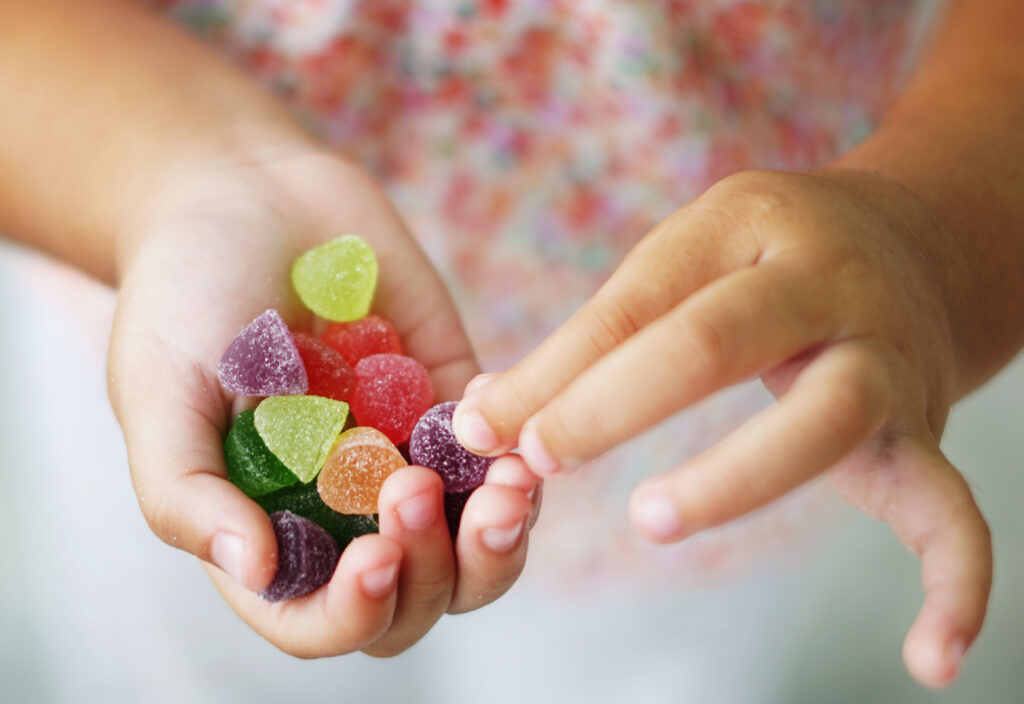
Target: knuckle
{"x": 695, "y": 342}
{"x": 484, "y": 593}
{"x": 158, "y": 509}
{"x": 432, "y": 593}
{"x": 609, "y": 324}
{"x": 850, "y": 410}
{"x": 754, "y": 193}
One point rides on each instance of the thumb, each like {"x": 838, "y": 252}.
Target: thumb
{"x": 931, "y": 509}
{"x": 173, "y": 413}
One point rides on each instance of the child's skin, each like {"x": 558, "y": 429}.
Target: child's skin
{"x": 869, "y": 296}
{"x": 136, "y": 154}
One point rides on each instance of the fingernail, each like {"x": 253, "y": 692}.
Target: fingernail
{"x": 227, "y": 551}
{"x": 502, "y": 539}
{"x": 656, "y": 516}
{"x": 379, "y": 582}
{"x": 533, "y": 452}
{"x": 474, "y": 432}
{"x": 418, "y": 512}
{"x": 479, "y": 381}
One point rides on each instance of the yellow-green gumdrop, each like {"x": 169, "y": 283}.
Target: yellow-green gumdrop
{"x": 300, "y": 430}
{"x": 336, "y": 280}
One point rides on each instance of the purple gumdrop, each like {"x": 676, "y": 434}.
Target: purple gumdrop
{"x": 454, "y": 505}
{"x": 433, "y": 444}
{"x": 263, "y": 360}
{"x": 306, "y": 557}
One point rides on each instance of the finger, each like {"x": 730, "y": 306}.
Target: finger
{"x": 165, "y": 393}
{"x": 511, "y": 471}
{"x": 351, "y": 611}
{"x": 491, "y": 545}
{"x": 412, "y": 514}
{"x": 685, "y": 252}
{"x": 177, "y": 467}
{"x": 836, "y": 404}
{"x": 728, "y": 331}
{"x": 931, "y": 509}
{"x": 412, "y": 295}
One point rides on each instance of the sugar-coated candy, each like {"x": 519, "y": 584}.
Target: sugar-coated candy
{"x": 355, "y": 470}
{"x": 263, "y": 360}
{"x": 434, "y": 445}
{"x": 363, "y": 337}
{"x": 300, "y": 430}
{"x": 252, "y": 467}
{"x": 391, "y": 392}
{"x": 306, "y": 557}
{"x": 329, "y": 374}
{"x": 454, "y": 504}
{"x": 336, "y": 280}
{"x": 303, "y": 500}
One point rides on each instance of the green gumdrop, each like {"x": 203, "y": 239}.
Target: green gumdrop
{"x": 336, "y": 280}
{"x": 305, "y": 501}
{"x": 300, "y": 430}
{"x": 251, "y": 466}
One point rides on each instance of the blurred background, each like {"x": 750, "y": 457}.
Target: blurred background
{"x": 93, "y": 607}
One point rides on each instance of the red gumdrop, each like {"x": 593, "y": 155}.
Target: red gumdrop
{"x": 329, "y": 374}
{"x": 362, "y": 338}
{"x": 391, "y": 393}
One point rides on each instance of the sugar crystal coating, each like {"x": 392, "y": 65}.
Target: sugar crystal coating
{"x": 306, "y": 557}
{"x": 336, "y": 280}
{"x": 252, "y": 467}
{"x": 363, "y": 337}
{"x": 300, "y": 430}
{"x": 355, "y": 470}
{"x": 391, "y": 392}
{"x": 434, "y": 445}
{"x": 263, "y": 360}
{"x": 303, "y": 500}
{"x": 329, "y": 374}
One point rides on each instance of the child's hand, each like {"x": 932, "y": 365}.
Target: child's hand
{"x": 826, "y": 287}
{"x": 209, "y": 257}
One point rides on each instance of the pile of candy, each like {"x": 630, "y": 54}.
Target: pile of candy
{"x": 337, "y": 413}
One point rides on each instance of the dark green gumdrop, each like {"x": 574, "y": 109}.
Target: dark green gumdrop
{"x": 251, "y": 466}
{"x": 303, "y": 500}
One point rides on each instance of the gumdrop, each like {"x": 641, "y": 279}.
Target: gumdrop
{"x": 263, "y": 360}
{"x": 251, "y": 466}
{"x": 434, "y": 445}
{"x": 306, "y": 557}
{"x": 454, "y": 504}
{"x": 336, "y": 280}
{"x": 303, "y": 500}
{"x": 329, "y": 374}
{"x": 355, "y": 470}
{"x": 300, "y": 430}
{"x": 362, "y": 338}
{"x": 391, "y": 393}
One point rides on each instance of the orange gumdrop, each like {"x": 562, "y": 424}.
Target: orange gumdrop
{"x": 356, "y": 467}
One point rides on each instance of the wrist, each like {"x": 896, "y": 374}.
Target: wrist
{"x": 249, "y": 174}
{"x": 975, "y": 271}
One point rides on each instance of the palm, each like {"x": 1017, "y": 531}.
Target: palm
{"x": 208, "y": 264}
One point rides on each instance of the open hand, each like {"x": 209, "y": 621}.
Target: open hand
{"x": 823, "y": 285}
{"x": 213, "y": 253}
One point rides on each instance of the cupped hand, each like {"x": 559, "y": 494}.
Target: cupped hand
{"x": 211, "y": 253}
{"x": 826, "y": 286}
